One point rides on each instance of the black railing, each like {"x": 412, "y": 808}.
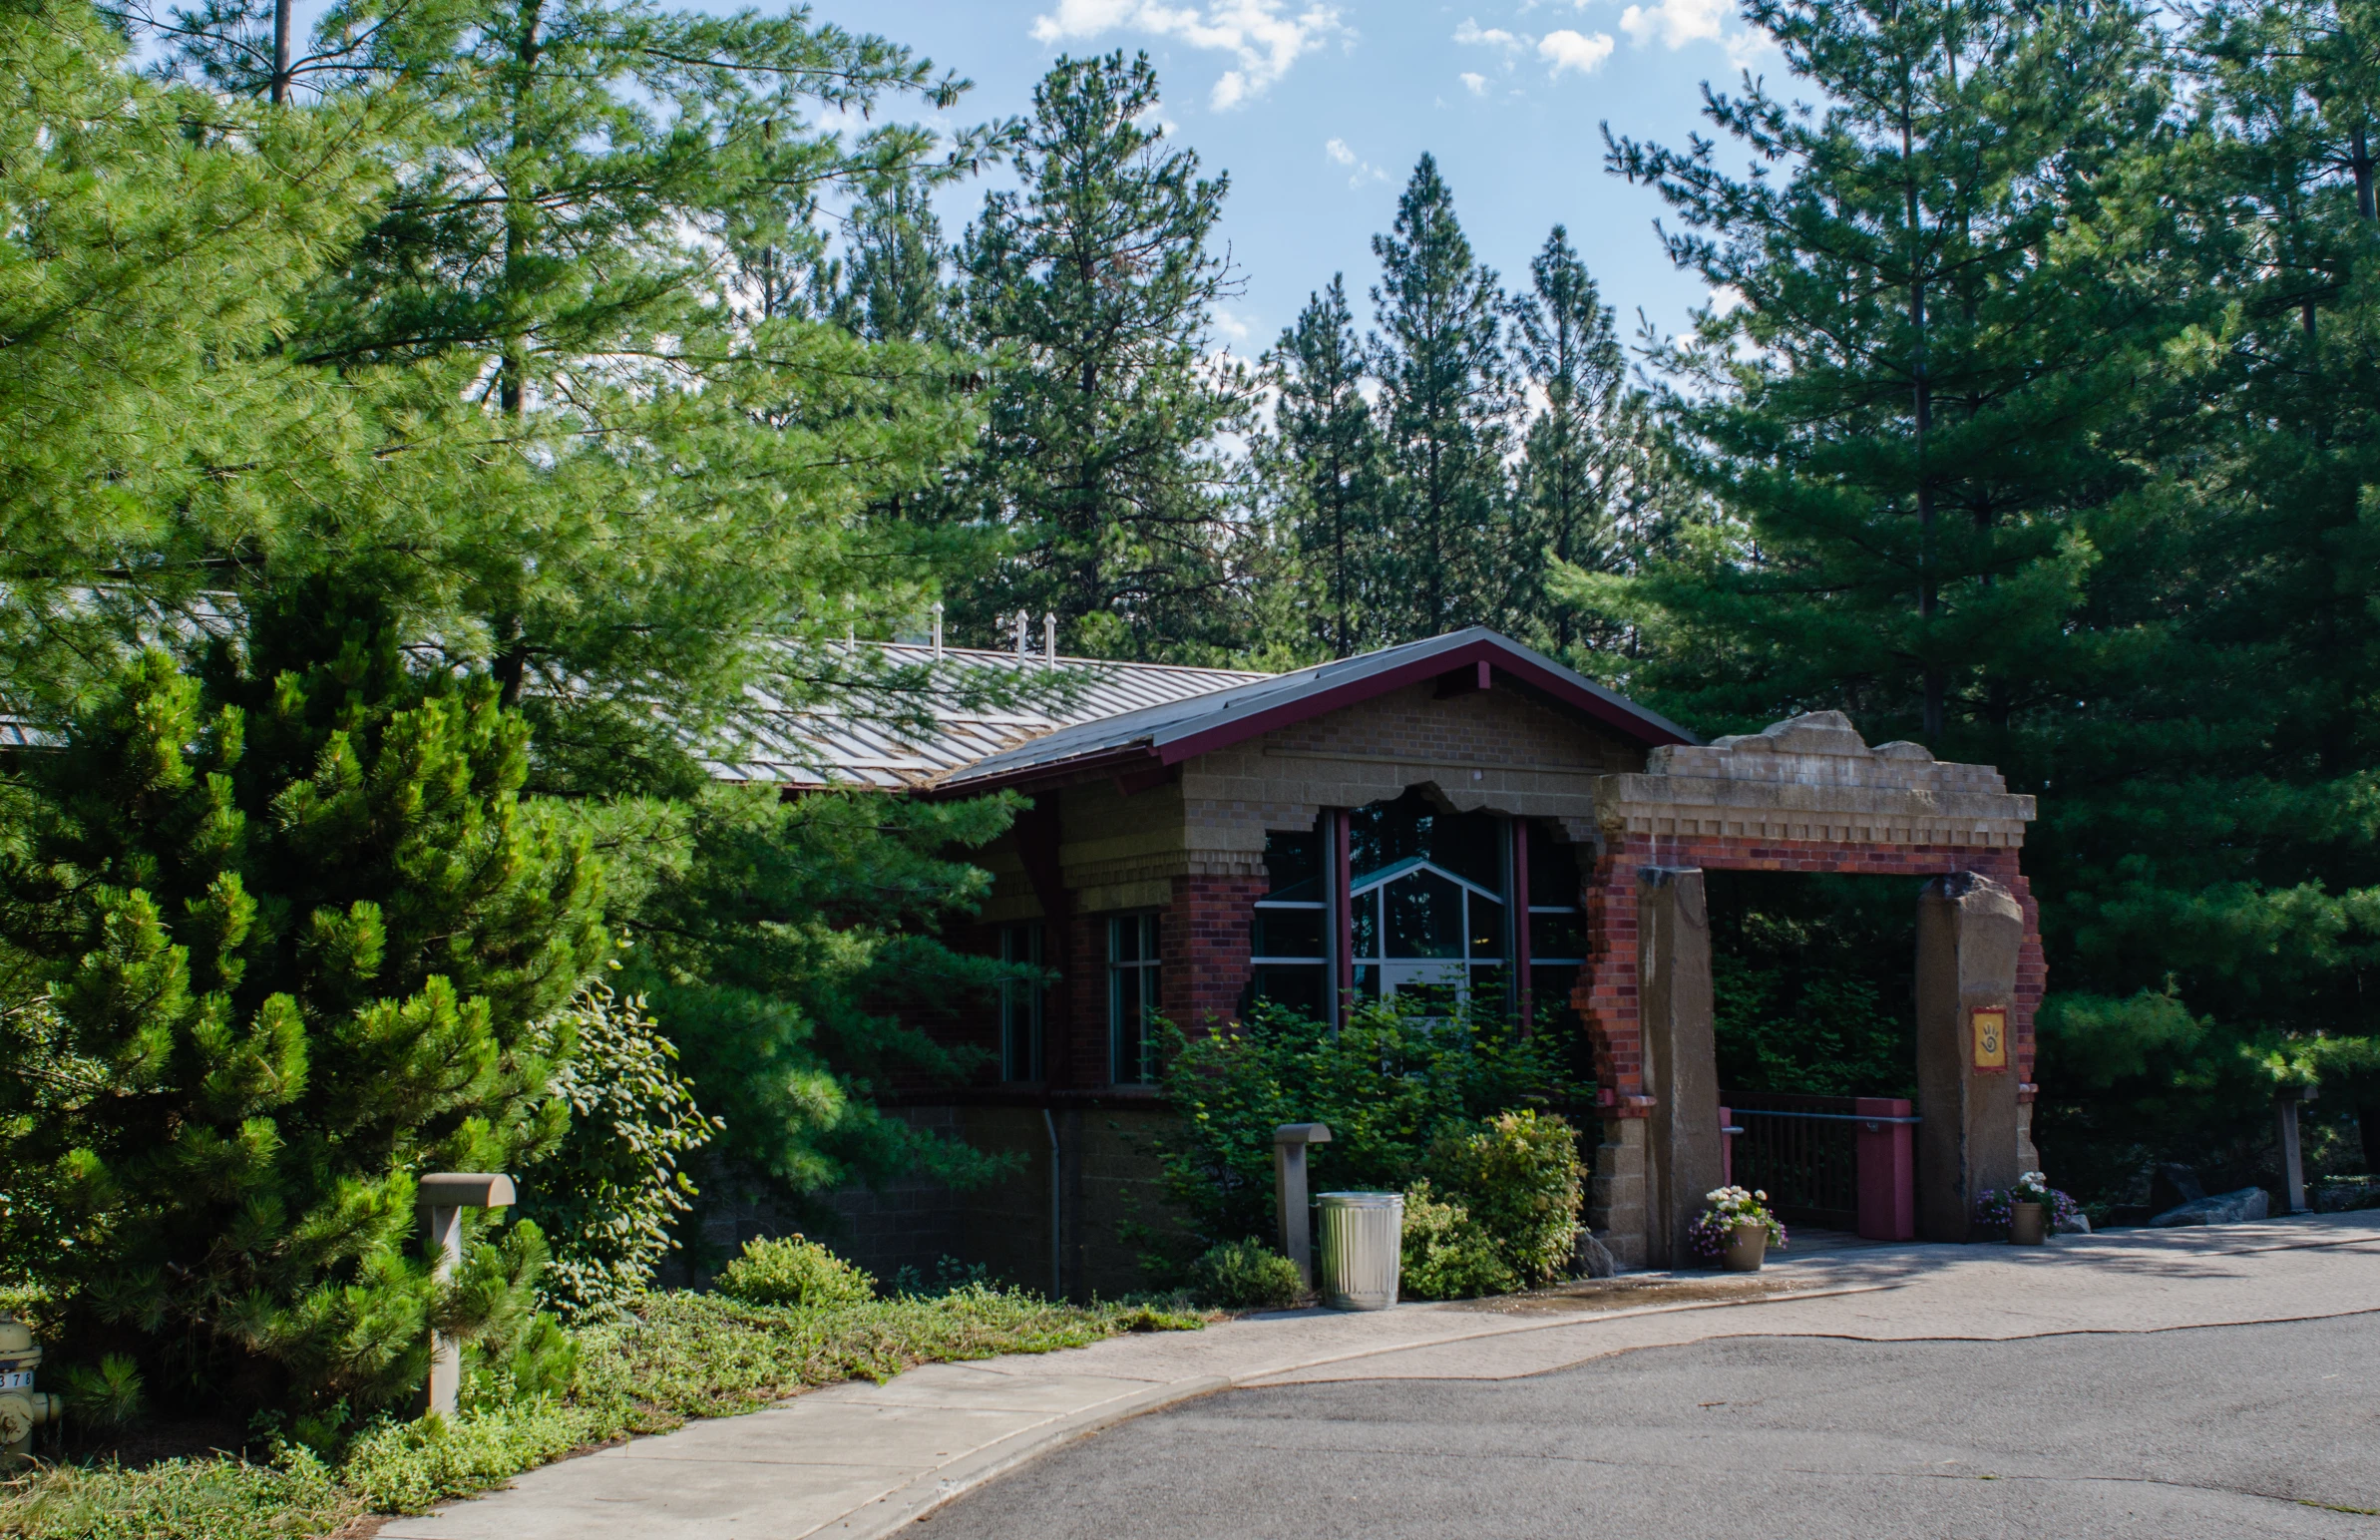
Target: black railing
{"x": 1804, "y": 1151}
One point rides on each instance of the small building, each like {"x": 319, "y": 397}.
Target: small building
{"x": 1449, "y": 815}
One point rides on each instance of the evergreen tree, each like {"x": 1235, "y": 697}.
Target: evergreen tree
{"x": 1094, "y": 284}
{"x": 1323, "y": 456}
{"x": 296, "y": 940}
{"x": 1582, "y": 460}
{"x": 1902, "y": 408}
{"x": 1447, "y": 399}
{"x": 891, "y": 287}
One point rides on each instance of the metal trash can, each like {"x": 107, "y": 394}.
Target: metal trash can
{"x": 1362, "y": 1243}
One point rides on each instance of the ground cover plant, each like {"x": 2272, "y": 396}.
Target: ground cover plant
{"x": 651, "y": 1365}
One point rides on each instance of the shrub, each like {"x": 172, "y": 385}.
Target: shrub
{"x": 1518, "y": 1175}
{"x": 793, "y": 1271}
{"x": 1389, "y": 1082}
{"x": 607, "y": 1193}
{"x": 1245, "y": 1275}
{"x": 1446, "y": 1255}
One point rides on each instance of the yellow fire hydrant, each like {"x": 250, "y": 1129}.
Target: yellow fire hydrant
{"x": 22, "y": 1409}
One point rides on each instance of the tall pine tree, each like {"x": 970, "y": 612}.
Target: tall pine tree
{"x": 1447, "y": 399}
{"x": 1322, "y": 457}
{"x": 1093, "y": 285}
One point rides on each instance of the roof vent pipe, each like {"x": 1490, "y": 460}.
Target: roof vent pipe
{"x": 938, "y": 630}
{"x": 1024, "y": 619}
{"x": 1049, "y": 636}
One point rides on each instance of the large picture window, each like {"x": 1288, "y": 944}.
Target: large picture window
{"x": 1290, "y": 935}
{"x": 1023, "y": 1004}
{"x": 1132, "y": 998}
{"x": 1426, "y": 901}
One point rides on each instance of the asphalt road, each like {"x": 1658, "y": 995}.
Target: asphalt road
{"x": 2243, "y": 1431}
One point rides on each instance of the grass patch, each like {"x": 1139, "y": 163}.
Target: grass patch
{"x": 668, "y": 1359}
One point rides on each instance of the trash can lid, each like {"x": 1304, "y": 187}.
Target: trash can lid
{"x": 1363, "y": 1200}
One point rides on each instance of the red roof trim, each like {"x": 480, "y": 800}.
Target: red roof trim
{"x": 1306, "y": 709}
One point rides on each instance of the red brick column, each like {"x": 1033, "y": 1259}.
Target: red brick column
{"x": 1207, "y": 935}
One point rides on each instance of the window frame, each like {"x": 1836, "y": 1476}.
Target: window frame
{"x": 1144, "y": 973}
{"x": 1020, "y": 996}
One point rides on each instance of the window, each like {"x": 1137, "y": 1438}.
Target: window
{"x": 1557, "y": 942}
{"x": 1132, "y": 1000}
{"x": 1022, "y": 1005}
{"x": 1426, "y": 901}
{"x": 1289, "y": 941}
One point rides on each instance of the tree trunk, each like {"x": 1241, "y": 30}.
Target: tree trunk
{"x": 280, "y": 51}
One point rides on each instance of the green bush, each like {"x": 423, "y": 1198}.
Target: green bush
{"x": 607, "y": 1194}
{"x": 1447, "y": 1254}
{"x": 793, "y": 1271}
{"x": 1518, "y": 1175}
{"x": 1245, "y": 1275}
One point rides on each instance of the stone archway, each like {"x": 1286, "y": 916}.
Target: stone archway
{"x": 1805, "y": 794}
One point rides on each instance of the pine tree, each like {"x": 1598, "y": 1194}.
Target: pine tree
{"x": 1902, "y": 407}
{"x": 1582, "y": 460}
{"x": 1323, "y": 456}
{"x": 1447, "y": 399}
{"x": 297, "y": 940}
{"x": 1094, "y": 283}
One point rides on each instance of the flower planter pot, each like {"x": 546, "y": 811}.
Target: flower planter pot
{"x": 2028, "y": 1224}
{"x": 1746, "y": 1249}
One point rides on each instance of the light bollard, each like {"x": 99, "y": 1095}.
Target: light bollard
{"x": 1289, "y": 1189}
{"x": 22, "y": 1409}
{"x": 442, "y": 1197}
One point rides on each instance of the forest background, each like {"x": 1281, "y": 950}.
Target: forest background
{"x": 391, "y": 416}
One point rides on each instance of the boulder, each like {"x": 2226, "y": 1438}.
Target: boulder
{"x": 2234, "y": 1208}
{"x": 1590, "y": 1258}
{"x": 2173, "y": 1184}
{"x": 2074, "y": 1224}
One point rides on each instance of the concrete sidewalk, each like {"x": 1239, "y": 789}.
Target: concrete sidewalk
{"x": 862, "y": 1460}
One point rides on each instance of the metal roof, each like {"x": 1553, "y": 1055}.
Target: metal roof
{"x": 822, "y": 744}
{"x": 1190, "y": 725}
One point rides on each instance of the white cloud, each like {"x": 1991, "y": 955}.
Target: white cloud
{"x": 1680, "y": 22}
{"x": 1470, "y": 33}
{"x": 1478, "y": 84}
{"x": 1231, "y": 326}
{"x": 1259, "y": 34}
{"x": 1360, "y": 170}
{"x": 1568, "y": 50}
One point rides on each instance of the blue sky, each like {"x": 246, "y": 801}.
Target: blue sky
{"x": 1318, "y": 107}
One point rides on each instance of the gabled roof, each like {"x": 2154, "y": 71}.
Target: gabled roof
{"x": 1180, "y": 729}
{"x": 820, "y": 745}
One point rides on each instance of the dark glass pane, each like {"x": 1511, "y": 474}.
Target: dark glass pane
{"x": 1125, "y": 947}
{"x": 1386, "y": 832}
{"x": 1551, "y": 987}
{"x": 1367, "y": 982}
{"x": 1367, "y": 916}
{"x": 1294, "y": 861}
{"x": 1425, "y": 916}
{"x": 1298, "y": 988}
{"x": 1288, "y": 933}
{"x": 1472, "y": 845}
{"x": 1554, "y": 869}
{"x": 1487, "y": 928}
{"x": 1555, "y": 936}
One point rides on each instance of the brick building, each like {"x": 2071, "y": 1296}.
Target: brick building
{"x": 1454, "y": 814}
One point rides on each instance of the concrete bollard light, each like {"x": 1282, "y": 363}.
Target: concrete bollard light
{"x": 442, "y": 1197}
{"x": 1289, "y": 1183}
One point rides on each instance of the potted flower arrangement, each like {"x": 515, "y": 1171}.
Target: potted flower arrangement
{"x": 2028, "y": 1211}
{"x": 1736, "y": 1231}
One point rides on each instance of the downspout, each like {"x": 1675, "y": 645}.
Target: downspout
{"x": 1057, "y": 1244}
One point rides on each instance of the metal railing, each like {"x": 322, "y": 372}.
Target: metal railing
{"x": 1804, "y": 1151}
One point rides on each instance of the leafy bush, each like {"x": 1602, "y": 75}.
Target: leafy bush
{"x": 1389, "y": 1082}
{"x": 792, "y": 1270}
{"x": 1245, "y": 1275}
{"x": 1447, "y": 1254}
{"x": 1518, "y": 1175}
{"x": 608, "y": 1192}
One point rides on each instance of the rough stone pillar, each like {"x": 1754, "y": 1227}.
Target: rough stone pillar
{"x": 1969, "y": 929}
{"x": 1681, "y": 1057}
